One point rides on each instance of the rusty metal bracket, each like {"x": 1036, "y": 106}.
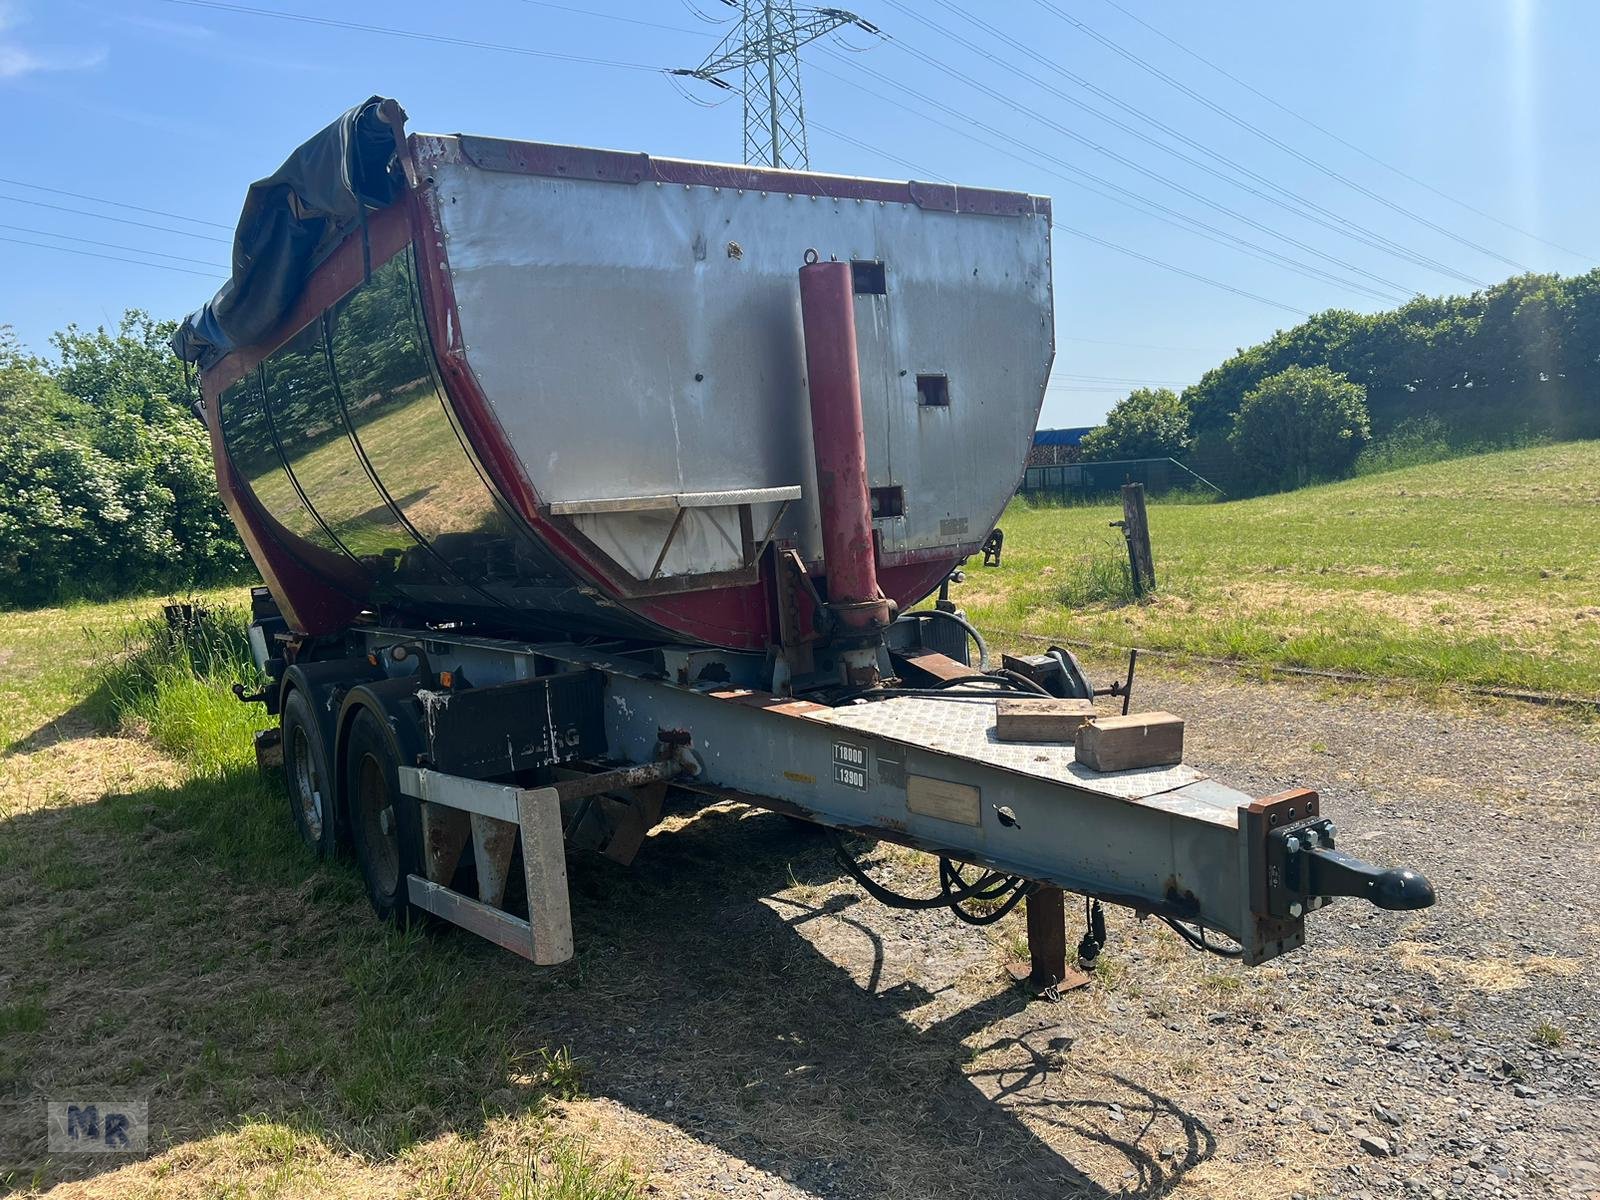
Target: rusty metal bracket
{"x": 1259, "y": 819}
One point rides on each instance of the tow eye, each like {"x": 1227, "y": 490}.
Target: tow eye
{"x": 1311, "y": 859}
{"x": 1297, "y": 866}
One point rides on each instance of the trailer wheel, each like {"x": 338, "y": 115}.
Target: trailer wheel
{"x": 307, "y": 776}
{"x": 384, "y": 824}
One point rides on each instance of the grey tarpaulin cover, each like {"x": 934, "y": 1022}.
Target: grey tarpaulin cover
{"x": 290, "y": 220}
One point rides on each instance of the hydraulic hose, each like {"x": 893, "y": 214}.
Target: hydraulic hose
{"x": 972, "y": 632}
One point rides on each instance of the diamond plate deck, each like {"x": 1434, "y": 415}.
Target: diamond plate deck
{"x": 965, "y": 727}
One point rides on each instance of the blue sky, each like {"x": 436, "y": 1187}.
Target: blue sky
{"x": 178, "y": 106}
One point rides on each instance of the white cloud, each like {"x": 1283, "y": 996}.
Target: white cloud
{"x": 17, "y": 60}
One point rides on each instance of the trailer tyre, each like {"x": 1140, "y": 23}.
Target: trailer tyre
{"x": 307, "y": 776}
{"x": 385, "y": 826}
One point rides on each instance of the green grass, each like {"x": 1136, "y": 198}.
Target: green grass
{"x": 1477, "y": 570}
{"x": 562, "y": 1169}
{"x": 1549, "y": 1034}
{"x": 253, "y": 979}
{"x": 174, "y": 682}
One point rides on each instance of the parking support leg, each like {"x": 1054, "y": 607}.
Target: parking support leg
{"x": 1047, "y": 973}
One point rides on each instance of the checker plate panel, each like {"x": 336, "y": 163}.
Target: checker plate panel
{"x": 965, "y": 727}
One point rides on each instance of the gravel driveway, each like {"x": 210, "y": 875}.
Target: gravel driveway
{"x": 1443, "y": 1053}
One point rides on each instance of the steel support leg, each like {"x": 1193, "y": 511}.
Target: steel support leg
{"x": 1047, "y": 973}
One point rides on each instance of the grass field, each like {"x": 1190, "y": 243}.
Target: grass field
{"x": 167, "y": 936}
{"x": 1479, "y": 570}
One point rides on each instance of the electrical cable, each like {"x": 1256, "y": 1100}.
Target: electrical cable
{"x": 80, "y": 212}
{"x": 1343, "y": 228}
{"x": 111, "y": 258}
{"x": 605, "y": 16}
{"x": 954, "y": 888}
{"x": 1126, "y": 197}
{"x": 1013, "y": 888}
{"x": 1117, "y": 379}
{"x": 697, "y": 101}
{"x": 154, "y": 212}
{"x": 199, "y": 262}
{"x": 706, "y": 17}
{"x": 1023, "y": 682}
{"x": 1197, "y": 938}
{"x": 1135, "y": 345}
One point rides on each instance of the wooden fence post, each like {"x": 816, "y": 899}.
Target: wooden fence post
{"x": 1136, "y": 528}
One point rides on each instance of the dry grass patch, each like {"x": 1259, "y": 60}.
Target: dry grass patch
{"x": 1498, "y": 971}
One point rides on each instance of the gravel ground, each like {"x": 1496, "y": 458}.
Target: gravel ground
{"x": 1443, "y": 1053}
{"x": 748, "y": 1025}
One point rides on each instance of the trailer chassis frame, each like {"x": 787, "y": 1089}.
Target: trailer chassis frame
{"x": 1168, "y": 842}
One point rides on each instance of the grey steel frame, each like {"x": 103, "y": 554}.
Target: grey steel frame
{"x": 1175, "y": 846}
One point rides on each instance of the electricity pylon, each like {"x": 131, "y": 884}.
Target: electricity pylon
{"x": 765, "y": 46}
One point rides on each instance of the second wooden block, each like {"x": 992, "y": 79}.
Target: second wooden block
{"x": 1152, "y": 739}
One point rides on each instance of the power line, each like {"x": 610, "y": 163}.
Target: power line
{"x": 154, "y": 212}
{"x": 1349, "y": 145}
{"x": 1080, "y": 389}
{"x": 1285, "y": 198}
{"x": 111, "y": 257}
{"x": 605, "y": 16}
{"x": 1124, "y": 196}
{"x": 204, "y": 237}
{"x": 1326, "y": 132}
{"x": 1074, "y": 389}
{"x": 1227, "y": 114}
{"x": 1117, "y": 379}
{"x": 1299, "y": 206}
{"x": 704, "y": 16}
{"x": 1079, "y": 233}
{"x": 1399, "y": 290}
{"x": 413, "y": 35}
{"x": 112, "y": 246}
{"x": 1135, "y": 345}
{"x": 1237, "y": 291}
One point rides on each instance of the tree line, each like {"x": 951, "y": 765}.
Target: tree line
{"x": 106, "y": 482}
{"x": 1517, "y": 360}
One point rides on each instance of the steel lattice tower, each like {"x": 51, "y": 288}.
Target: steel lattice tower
{"x": 765, "y": 47}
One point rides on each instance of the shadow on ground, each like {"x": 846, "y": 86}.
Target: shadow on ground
{"x": 178, "y": 945}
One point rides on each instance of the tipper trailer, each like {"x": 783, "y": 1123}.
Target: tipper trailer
{"x": 584, "y": 482}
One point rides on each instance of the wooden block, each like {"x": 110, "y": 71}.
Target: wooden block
{"x": 1152, "y": 739}
{"x": 1046, "y": 719}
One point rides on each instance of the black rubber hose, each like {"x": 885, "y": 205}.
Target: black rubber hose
{"x": 972, "y": 632}
{"x": 1197, "y": 938}
{"x": 1022, "y": 681}
{"x": 953, "y": 690}
{"x": 954, "y": 890}
{"x": 1002, "y": 885}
